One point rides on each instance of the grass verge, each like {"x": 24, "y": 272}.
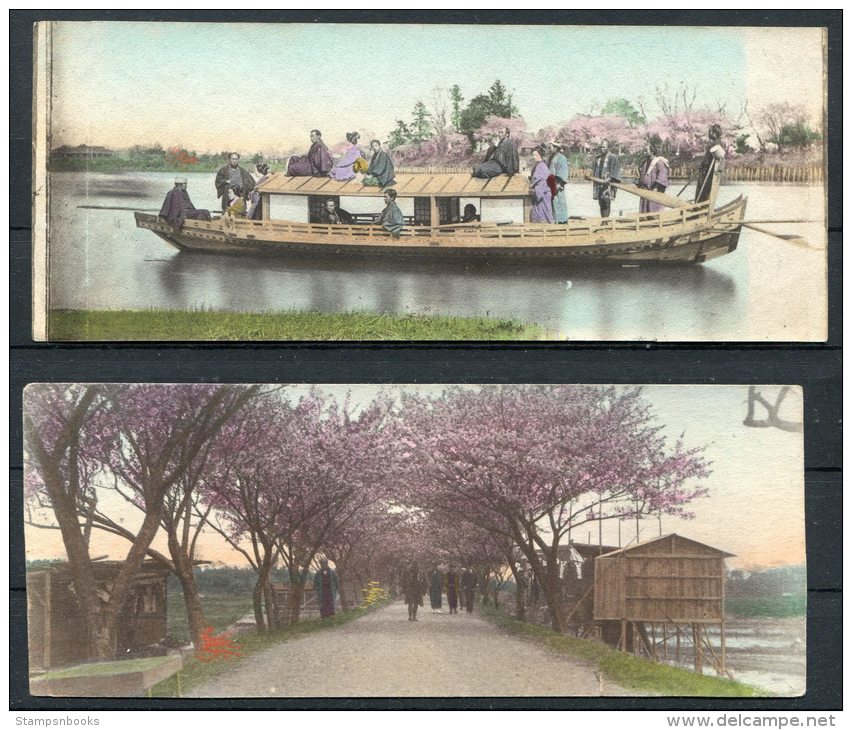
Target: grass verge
{"x": 221, "y": 610}
{"x": 161, "y": 324}
{"x": 628, "y": 671}
{"x": 196, "y": 672}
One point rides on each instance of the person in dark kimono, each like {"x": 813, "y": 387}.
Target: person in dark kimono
{"x": 317, "y": 162}
{"x": 177, "y": 206}
{"x": 326, "y": 587}
{"x": 453, "y": 589}
{"x": 558, "y": 164}
{"x": 711, "y": 164}
{"x": 436, "y": 589}
{"x": 232, "y": 176}
{"x": 255, "y": 211}
{"x": 468, "y": 587}
{"x": 606, "y": 166}
{"x": 380, "y": 172}
{"x": 653, "y": 175}
{"x": 470, "y": 215}
{"x": 391, "y": 217}
{"x": 334, "y": 215}
{"x": 542, "y": 196}
{"x": 413, "y": 588}
{"x": 489, "y": 167}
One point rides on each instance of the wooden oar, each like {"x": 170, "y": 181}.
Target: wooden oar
{"x": 670, "y": 201}
{"x": 788, "y": 237}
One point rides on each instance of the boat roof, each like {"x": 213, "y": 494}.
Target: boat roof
{"x": 408, "y": 185}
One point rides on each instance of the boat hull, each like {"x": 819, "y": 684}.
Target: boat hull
{"x": 697, "y": 242}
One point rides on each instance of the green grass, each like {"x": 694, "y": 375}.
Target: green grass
{"x": 97, "y": 669}
{"x": 220, "y": 612}
{"x": 776, "y": 607}
{"x": 158, "y": 324}
{"x": 628, "y": 671}
{"x": 195, "y": 672}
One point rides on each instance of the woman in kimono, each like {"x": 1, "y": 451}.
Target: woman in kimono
{"x": 255, "y": 212}
{"x": 344, "y": 168}
{"x": 542, "y": 208}
{"x": 436, "y": 589}
{"x": 558, "y": 165}
{"x": 653, "y": 175}
{"x": 236, "y": 203}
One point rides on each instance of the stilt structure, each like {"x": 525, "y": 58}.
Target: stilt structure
{"x": 668, "y": 588}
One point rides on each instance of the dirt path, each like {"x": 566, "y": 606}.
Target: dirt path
{"x": 385, "y": 655}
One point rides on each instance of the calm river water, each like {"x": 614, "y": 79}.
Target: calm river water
{"x": 766, "y": 290}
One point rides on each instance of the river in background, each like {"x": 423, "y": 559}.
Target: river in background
{"x": 765, "y": 290}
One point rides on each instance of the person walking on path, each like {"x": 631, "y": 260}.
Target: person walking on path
{"x": 436, "y": 589}
{"x": 453, "y": 589}
{"x": 325, "y": 587}
{"x": 468, "y": 586}
{"x": 413, "y": 588}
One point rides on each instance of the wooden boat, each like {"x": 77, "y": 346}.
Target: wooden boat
{"x": 688, "y": 233}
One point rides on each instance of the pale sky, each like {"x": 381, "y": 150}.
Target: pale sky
{"x": 253, "y": 87}
{"x": 755, "y": 508}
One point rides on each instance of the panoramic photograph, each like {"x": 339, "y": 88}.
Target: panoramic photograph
{"x": 391, "y": 541}
{"x": 453, "y": 194}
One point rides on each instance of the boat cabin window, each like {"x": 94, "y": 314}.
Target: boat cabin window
{"x": 448, "y": 210}
{"x": 422, "y": 211}
{"x": 316, "y": 205}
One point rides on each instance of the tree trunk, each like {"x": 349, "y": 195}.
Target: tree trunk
{"x": 271, "y": 617}
{"x": 297, "y": 591}
{"x": 257, "y": 604}
{"x": 192, "y": 604}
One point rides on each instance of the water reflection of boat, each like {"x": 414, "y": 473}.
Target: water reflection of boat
{"x": 689, "y": 233}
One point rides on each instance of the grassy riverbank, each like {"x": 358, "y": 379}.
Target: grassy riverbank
{"x": 161, "y": 324}
{"x": 774, "y": 607}
{"x": 196, "y": 672}
{"x": 631, "y": 672}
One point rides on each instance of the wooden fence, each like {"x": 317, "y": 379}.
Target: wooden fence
{"x": 802, "y": 174}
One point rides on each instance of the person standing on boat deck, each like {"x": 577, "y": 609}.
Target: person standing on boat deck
{"x": 653, "y": 175}
{"x": 542, "y": 207}
{"x": 391, "y": 217}
{"x": 232, "y": 175}
{"x": 334, "y": 215}
{"x": 711, "y": 165}
{"x": 489, "y": 167}
{"x": 317, "y": 162}
{"x": 177, "y": 206}
{"x": 325, "y": 588}
{"x": 380, "y": 172}
{"x": 255, "y": 211}
{"x": 606, "y": 166}
{"x": 344, "y": 168}
{"x": 558, "y": 164}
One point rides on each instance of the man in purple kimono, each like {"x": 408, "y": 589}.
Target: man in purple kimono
{"x": 316, "y": 163}
{"x": 325, "y": 588}
{"x": 233, "y": 176}
{"x": 653, "y": 175}
{"x": 177, "y": 206}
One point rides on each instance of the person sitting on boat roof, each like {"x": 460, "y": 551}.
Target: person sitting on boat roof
{"x": 317, "y": 162}
{"x": 255, "y": 211}
{"x": 503, "y": 161}
{"x": 608, "y": 168}
{"x": 380, "y": 172}
{"x": 711, "y": 164}
{"x": 345, "y": 168}
{"x": 558, "y": 165}
{"x": 542, "y": 195}
{"x": 236, "y": 202}
{"x": 177, "y": 206}
{"x": 232, "y": 175}
{"x": 470, "y": 215}
{"x": 653, "y": 175}
{"x": 334, "y": 215}
{"x": 391, "y": 217}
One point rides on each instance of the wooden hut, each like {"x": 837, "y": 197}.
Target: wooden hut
{"x": 668, "y": 588}
{"x": 54, "y": 619}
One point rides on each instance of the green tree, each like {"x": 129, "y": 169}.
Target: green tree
{"x": 399, "y": 136}
{"x": 796, "y": 135}
{"x": 624, "y": 108}
{"x": 456, "y": 99}
{"x": 497, "y": 102}
{"x": 420, "y": 125}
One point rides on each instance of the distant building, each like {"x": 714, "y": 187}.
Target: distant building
{"x": 82, "y": 152}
